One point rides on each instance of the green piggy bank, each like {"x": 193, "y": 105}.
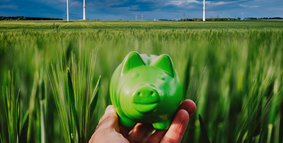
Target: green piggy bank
{"x": 146, "y": 89}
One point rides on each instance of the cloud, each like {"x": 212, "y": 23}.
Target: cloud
{"x": 220, "y": 3}
{"x": 181, "y": 2}
{"x": 208, "y": 3}
{"x": 133, "y": 6}
{"x": 9, "y": 6}
{"x": 127, "y": 9}
{"x": 177, "y": 3}
{"x": 55, "y": 1}
{"x": 247, "y": 6}
{"x": 76, "y": 4}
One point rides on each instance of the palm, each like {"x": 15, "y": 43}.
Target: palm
{"x": 108, "y": 129}
{"x": 145, "y": 132}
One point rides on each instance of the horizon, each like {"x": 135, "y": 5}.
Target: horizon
{"x": 129, "y": 10}
{"x": 56, "y": 18}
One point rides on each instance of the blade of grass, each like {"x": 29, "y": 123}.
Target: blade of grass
{"x": 94, "y": 96}
{"x": 204, "y": 135}
{"x": 42, "y": 111}
{"x": 4, "y": 110}
{"x": 281, "y": 125}
{"x": 12, "y": 111}
{"x": 18, "y": 115}
{"x": 23, "y": 122}
{"x": 1, "y": 139}
{"x": 31, "y": 106}
{"x": 92, "y": 104}
{"x": 59, "y": 101}
{"x": 72, "y": 101}
{"x": 42, "y": 117}
{"x": 90, "y": 111}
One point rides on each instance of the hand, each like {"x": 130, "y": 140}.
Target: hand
{"x": 108, "y": 129}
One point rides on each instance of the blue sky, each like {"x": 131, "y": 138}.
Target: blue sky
{"x": 150, "y": 9}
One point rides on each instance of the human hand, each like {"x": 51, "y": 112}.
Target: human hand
{"x": 108, "y": 129}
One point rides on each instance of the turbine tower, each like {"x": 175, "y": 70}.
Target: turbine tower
{"x": 84, "y": 10}
{"x": 203, "y": 10}
{"x": 68, "y": 11}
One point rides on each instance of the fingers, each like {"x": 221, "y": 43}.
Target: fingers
{"x": 157, "y": 136}
{"x": 141, "y": 133}
{"x": 189, "y": 106}
{"x": 177, "y": 128}
{"x": 109, "y": 120}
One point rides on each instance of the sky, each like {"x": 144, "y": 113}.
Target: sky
{"x": 150, "y": 9}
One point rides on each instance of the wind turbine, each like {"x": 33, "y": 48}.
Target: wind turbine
{"x": 84, "y": 10}
{"x": 68, "y": 11}
{"x": 203, "y": 10}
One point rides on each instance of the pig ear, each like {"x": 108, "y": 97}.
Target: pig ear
{"x": 132, "y": 60}
{"x": 164, "y": 62}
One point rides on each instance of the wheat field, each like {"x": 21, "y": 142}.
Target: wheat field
{"x": 54, "y": 76}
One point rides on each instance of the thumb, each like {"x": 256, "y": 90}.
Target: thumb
{"x": 109, "y": 120}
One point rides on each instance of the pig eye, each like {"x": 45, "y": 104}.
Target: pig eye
{"x": 161, "y": 76}
{"x": 135, "y": 75}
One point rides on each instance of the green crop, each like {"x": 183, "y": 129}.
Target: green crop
{"x": 54, "y": 77}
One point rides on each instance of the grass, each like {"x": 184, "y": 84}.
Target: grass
{"x": 123, "y": 25}
{"x": 232, "y": 70}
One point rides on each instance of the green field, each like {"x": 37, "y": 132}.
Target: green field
{"x": 141, "y": 25}
{"x": 50, "y": 76}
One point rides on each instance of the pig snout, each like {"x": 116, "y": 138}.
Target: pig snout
{"x": 146, "y": 95}
{"x": 146, "y": 99}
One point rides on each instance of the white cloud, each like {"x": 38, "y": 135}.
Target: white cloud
{"x": 134, "y": 7}
{"x": 145, "y": 0}
{"x": 211, "y": 12}
{"x": 177, "y": 3}
{"x": 208, "y": 3}
{"x": 56, "y": 1}
{"x": 242, "y": 5}
{"x": 128, "y": 8}
{"x": 76, "y": 4}
{"x": 221, "y": 3}
{"x": 9, "y": 6}
{"x": 90, "y": 4}
{"x": 180, "y": 2}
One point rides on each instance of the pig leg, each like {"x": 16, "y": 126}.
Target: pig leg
{"x": 124, "y": 121}
{"x": 162, "y": 125}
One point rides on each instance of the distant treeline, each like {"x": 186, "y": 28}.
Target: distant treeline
{"x": 27, "y": 18}
{"x": 253, "y": 18}
{"x": 221, "y": 19}
{"x": 210, "y": 19}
